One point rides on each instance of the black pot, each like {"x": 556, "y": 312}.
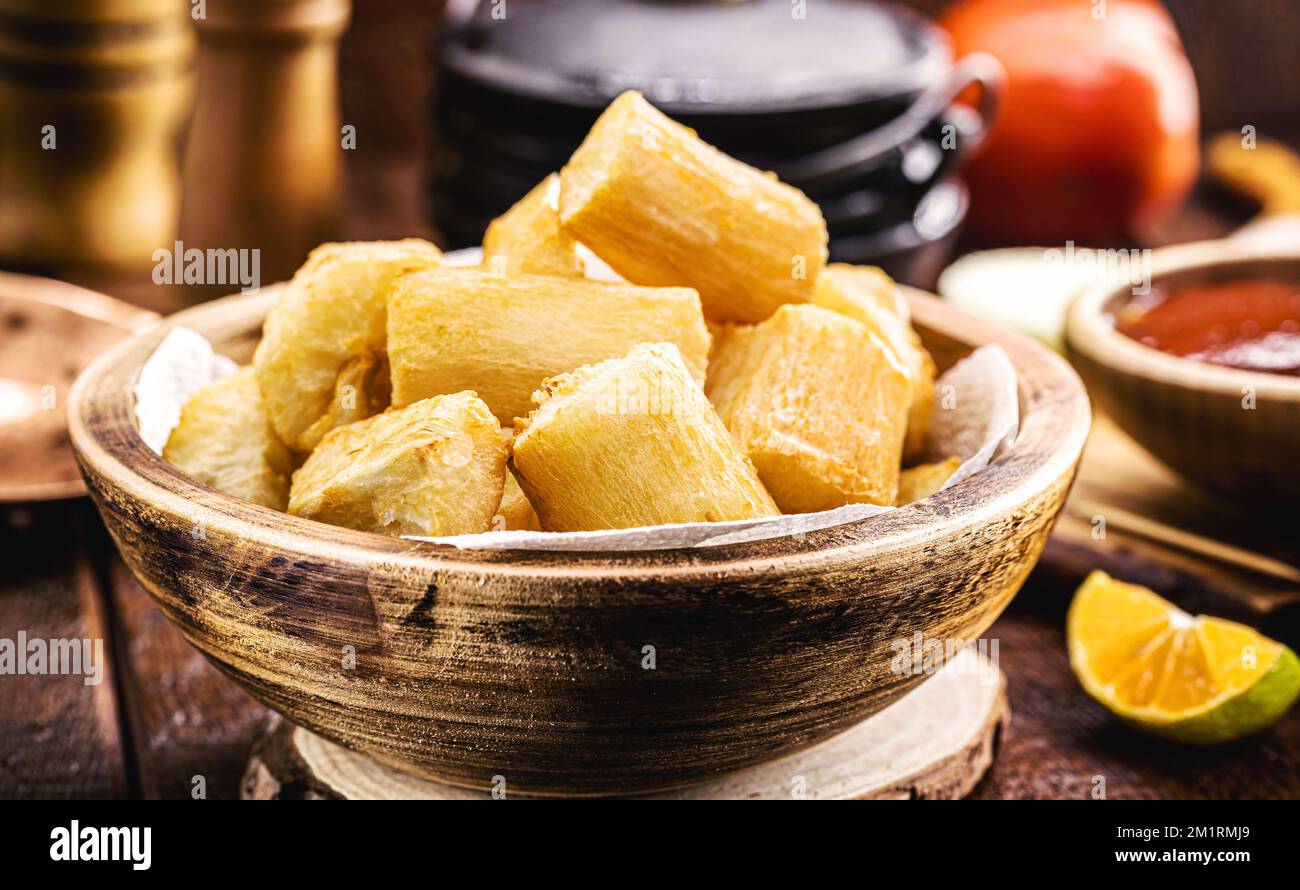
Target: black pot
{"x": 914, "y": 250}
{"x": 867, "y": 134}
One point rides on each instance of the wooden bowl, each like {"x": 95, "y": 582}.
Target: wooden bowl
{"x": 1194, "y": 416}
{"x": 534, "y": 666}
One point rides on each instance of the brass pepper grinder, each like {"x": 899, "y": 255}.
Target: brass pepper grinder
{"x": 263, "y": 166}
{"x": 94, "y": 96}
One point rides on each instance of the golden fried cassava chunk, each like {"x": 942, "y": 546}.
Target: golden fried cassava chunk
{"x": 528, "y": 239}
{"x": 819, "y": 403}
{"x": 919, "y": 482}
{"x": 869, "y": 295}
{"x": 718, "y": 332}
{"x": 628, "y": 442}
{"x": 433, "y": 468}
{"x": 860, "y": 288}
{"x": 664, "y": 208}
{"x": 453, "y": 329}
{"x": 516, "y": 513}
{"x": 225, "y": 439}
{"x": 361, "y": 390}
{"x": 327, "y": 331}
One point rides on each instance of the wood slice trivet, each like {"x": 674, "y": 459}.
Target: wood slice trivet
{"x": 935, "y": 743}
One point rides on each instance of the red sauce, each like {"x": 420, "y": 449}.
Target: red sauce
{"x": 1251, "y": 324}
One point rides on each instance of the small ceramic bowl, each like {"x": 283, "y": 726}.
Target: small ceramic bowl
{"x": 575, "y": 673}
{"x": 1235, "y": 432}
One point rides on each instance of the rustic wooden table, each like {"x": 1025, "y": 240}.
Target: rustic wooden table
{"x": 163, "y": 717}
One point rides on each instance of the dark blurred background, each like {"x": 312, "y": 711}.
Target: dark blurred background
{"x": 1243, "y": 53}
{"x": 306, "y": 130}
{"x": 266, "y": 169}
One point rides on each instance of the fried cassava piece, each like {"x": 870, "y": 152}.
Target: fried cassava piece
{"x": 436, "y": 467}
{"x": 225, "y": 439}
{"x": 867, "y": 294}
{"x": 629, "y": 442}
{"x": 919, "y": 482}
{"x": 662, "y": 207}
{"x": 528, "y": 239}
{"x": 321, "y": 360}
{"x": 516, "y": 513}
{"x": 818, "y": 402}
{"x": 453, "y": 329}
{"x": 730, "y": 373}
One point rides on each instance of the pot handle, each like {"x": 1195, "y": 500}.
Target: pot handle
{"x": 985, "y": 72}
{"x": 456, "y": 14}
{"x": 861, "y": 153}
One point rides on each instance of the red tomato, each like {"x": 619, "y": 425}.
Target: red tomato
{"x": 1097, "y": 134}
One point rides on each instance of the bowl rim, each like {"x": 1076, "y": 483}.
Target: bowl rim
{"x": 1055, "y": 417}
{"x": 1090, "y": 329}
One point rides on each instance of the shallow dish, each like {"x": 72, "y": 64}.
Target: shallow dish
{"x": 1235, "y": 432}
{"x": 36, "y": 462}
{"x": 536, "y": 667}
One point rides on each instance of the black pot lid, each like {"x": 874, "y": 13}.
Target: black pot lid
{"x": 704, "y": 57}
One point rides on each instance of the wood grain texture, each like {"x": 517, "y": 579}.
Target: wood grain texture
{"x": 1121, "y": 490}
{"x": 470, "y": 664}
{"x": 1062, "y": 740}
{"x": 1192, "y": 415}
{"x": 935, "y": 743}
{"x": 36, "y": 460}
{"x": 162, "y": 714}
{"x": 186, "y": 720}
{"x": 59, "y": 738}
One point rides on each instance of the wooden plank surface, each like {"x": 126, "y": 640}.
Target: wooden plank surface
{"x": 191, "y": 728}
{"x": 1117, "y": 472}
{"x": 1060, "y": 740}
{"x": 1134, "y": 518}
{"x": 174, "y": 717}
{"x": 59, "y": 738}
{"x": 1115, "y": 520}
{"x": 162, "y": 715}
